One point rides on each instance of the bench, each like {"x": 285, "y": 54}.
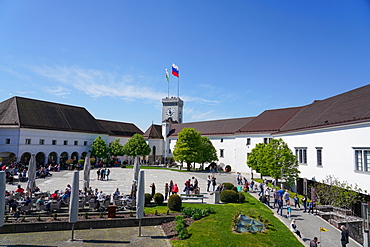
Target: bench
{"x": 192, "y": 196}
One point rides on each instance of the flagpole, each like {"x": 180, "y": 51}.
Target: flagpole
{"x": 178, "y": 87}
{"x": 168, "y": 89}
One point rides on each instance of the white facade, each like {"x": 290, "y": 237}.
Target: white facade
{"x": 338, "y": 146}
{"x": 37, "y": 141}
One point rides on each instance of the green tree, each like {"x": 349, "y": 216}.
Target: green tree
{"x": 187, "y": 146}
{"x": 256, "y": 159}
{"x": 280, "y": 161}
{"x": 99, "y": 148}
{"x": 276, "y": 160}
{"x": 337, "y": 193}
{"x": 116, "y": 148}
{"x": 207, "y": 152}
{"x": 136, "y": 146}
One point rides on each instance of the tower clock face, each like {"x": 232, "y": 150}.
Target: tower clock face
{"x": 170, "y": 112}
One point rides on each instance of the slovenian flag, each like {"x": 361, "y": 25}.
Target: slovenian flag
{"x": 175, "y": 70}
{"x": 167, "y": 76}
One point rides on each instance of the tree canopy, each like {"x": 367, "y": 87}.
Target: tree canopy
{"x": 207, "y": 152}
{"x": 188, "y": 146}
{"x": 136, "y": 146}
{"x": 99, "y": 148}
{"x": 276, "y": 160}
{"x": 116, "y": 148}
{"x": 338, "y": 193}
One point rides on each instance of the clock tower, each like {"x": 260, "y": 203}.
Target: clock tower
{"x": 172, "y": 109}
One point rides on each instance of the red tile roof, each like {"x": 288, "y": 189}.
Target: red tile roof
{"x": 270, "y": 120}
{"x": 215, "y": 127}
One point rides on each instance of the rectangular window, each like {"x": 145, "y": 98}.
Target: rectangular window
{"x": 362, "y": 159}
{"x": 85, "y": 143}
{"x": 169, "y": 151}
{"x": 221, "y": 153}
{"x": 222, "y": 140}
{"x": 28, "y": 141}
{"x": 76, "y": 143}
{"x": 65, "y": 142}
{"x": 54, "y": 142}
{"x": 265, "y": 140}
{"x": 7, "y": 141}
{"x": 319, "y": 156}
{"x": 41, "y": 142}
{"x": 248, "y": 141}
{"x": 301, "y": 154}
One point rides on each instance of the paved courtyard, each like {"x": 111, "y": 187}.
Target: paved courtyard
{"x": 309, "y": 225}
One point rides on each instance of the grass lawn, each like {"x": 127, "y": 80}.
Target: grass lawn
{"x": 215, "y": 229}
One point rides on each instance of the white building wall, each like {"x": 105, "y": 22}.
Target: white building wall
{"x": 243, "y": 149}
{"x": 338, "y": 155}
{"x": 18, "y": 136}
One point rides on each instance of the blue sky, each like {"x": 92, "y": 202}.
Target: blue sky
{"x": 236, "y": 58}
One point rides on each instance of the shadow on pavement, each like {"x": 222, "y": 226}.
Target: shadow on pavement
{"x": 106, "y": 242}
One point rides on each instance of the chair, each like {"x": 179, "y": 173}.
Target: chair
{"x": 92, "y": 204}
{"x": 81, "y": 203}
{"x": 40, "y": 207}
{"x": 131, "y": 204}
{"x": 26, "y": 208}
{"x": 55, "y": 206}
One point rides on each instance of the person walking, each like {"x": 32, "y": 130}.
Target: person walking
{"x": 175, "y": 189}
{"x": 310, "y": 207}
{"x": 304, "y": 202}
{"x": 280, "y": 206}
{"x": 107, "y": 175}
{"x": 293, "y": 228}
{"x": 261, "y": 189}
{"x": 153, "y": 189}
{"x": 171, "y": 187}
{"x": 166, "y": 191}
{"x": 296, "y": 202}
{"x": 98, "y": 173}
{"x": 214, "y": 183}
{"x": 209, "y": 181}
{"x": 344, "y": 238}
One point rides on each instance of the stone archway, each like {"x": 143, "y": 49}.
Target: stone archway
{"x": 40, "y": 159}
{"x": 83, "y": 155}
{"x": 7, "y": 157}
{"x": 63, "y": 159}
{"x": 25, "y": 158}
{"x": 74, "y": 156}
{"x": 52, "y": 158}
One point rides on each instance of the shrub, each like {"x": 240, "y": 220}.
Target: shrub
{"x": 228, "y": 168}
{"x": 228, "y": 186}
{"x": 81, "y": 161}
{"x": 241, "y": 197}
{"x": 86, "y": 215}
{"x": 197, "y": 216}
{"x": 235, "y": 189}
{"x": 183, "y": 234}
{"x": 174, "y": 203}
{"x": 229, "y": 196}
{"x": 92, "y": 160}
{"x": 148, "y": 198}
{"x": 69, "y": 161}
{"x": 158, "y": 198}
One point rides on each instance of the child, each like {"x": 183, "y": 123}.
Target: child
{"x": 288, "y": 210}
